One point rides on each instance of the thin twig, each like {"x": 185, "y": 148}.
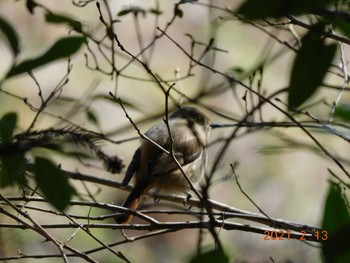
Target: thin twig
{"x": 234, "y": 167}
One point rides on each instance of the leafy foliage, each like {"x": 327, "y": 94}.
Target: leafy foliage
{"x": 12, "y": 162}
{"x": 63, "y": 48}
{"x": 12, "y": 167}
{"x": 255, "y": 9}
{"x": 306, "y": 75}
{"x": 63, "y": 19}
{"x": 11, "y": 36}
{"x": 343, "y": 112}
{"x": 7, "y": 126}
{"x": 218, "y": 256}
{"x": 53, "y": 182}
{"x": 336, "y": 221}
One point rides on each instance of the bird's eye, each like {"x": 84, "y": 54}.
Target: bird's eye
{"x": 199, "y": 119}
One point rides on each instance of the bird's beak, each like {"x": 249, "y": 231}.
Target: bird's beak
{"x": 215, "y": 125}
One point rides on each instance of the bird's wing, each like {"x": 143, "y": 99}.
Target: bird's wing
{"x": 133, "y": 167}
{"x": 186, "y": 149}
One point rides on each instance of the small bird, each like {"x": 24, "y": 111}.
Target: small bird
{"x": 152, "y": 168}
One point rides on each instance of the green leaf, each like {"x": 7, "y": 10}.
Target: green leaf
{"x": 342, "y": 112}
{"x": 216, "y": 256}
{"x": 125, "y": 11}
{"x": 132, "y": 9}
{"x": 63, "y": 48}
{"x": 336, "y": 223}
{"x": 236, "y": 71}
{"x": 310, "y": 67}
{"x": 156, "y": 12}
{"x": 178, "y": 12}
{"x": 63, "y": 19}
{"x": 7, "y": 126}
{"x": 257, "y": 9}
{"x": 254, "y": 9}
{"x": 91, "y": 115}
{"x": 11, "y": 35}
{"x": 342, "y": 25}
{"x": 336, "y": 213}
{"x": 53, "y": 182}
{"x": 12, "y": 166}
{"x": 30, "y": 4}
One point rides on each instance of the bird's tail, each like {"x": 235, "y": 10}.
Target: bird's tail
{"x": 132, "y": 202}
